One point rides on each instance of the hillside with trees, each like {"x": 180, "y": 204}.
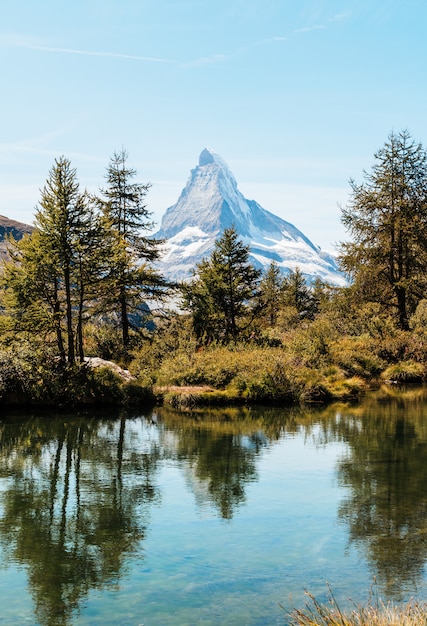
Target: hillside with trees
{"x": 85, "y": 284}
{"x": 11, "y": 228}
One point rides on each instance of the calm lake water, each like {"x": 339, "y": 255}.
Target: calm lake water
{"x": 214, "y": 517}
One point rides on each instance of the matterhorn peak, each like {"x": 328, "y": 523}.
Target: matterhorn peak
{"x": 211, "y": 202}
{"x": 206, "y": 157}
{"x": 210, "y": 199}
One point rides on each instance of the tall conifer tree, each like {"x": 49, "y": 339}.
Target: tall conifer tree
{"x": 271, "y": 293}
{"x": 223, "y": 290}
{"x": 387, "y": 220}
{"x": 48, "y": 276}
{"x": 131, "y": 278}
{"x": 298, "y": 294}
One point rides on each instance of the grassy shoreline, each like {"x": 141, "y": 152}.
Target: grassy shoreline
{"x": 86, "y": 389}
{"x": 295, "y": 373}
{"x": 375, "y": 613}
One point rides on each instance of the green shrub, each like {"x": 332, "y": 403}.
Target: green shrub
{"x": 274, "y": 385}
{"x": 357, "y": 356}
{"x": 418, "y": 321}
{"x": 32, "y": 377}
{"x": 405, "y": 372}
{"x": 184, "y": 400}
{"x": 138, "y": 393}
{"x": 394, "y": 347}
{"x": 103, "y": 340}
{"x": 106, "y": 384}
{"x": 17, "y": 374}
{"x": 310, "y": 345}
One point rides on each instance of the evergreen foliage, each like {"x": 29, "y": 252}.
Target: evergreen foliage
{"x": 49, "y": 278}
{"x": 387, "y": 219}
{"x": 298, "y": 294}
{"x": 130, "y": 276}
{"x": 221, "y": 296}
{"x": 271, "y": 293}
{"x": 81, "y": 263}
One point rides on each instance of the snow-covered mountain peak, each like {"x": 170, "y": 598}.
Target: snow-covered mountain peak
{"x": 213, "y": 170}
{"x": 210, "y": 198}
{"x": 211, "y": 202}
{"x": 206, "y": 157}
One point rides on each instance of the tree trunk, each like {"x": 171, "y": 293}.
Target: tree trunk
{"x": 57, "y": 318}
{"x": 401, "y": 307}
{"x": 70, "y": 334}
{"x": 125, "y": 321}
{"x": 79, "y": 330}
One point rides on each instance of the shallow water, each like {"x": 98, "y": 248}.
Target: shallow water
{"x": 215, "y": 517}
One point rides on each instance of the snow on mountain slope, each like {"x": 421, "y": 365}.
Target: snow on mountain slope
{"x": 211, "y": 202}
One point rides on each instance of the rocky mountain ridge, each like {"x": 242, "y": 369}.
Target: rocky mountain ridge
{"x": 210, "y": 202}
{"x": 14, "y": 228}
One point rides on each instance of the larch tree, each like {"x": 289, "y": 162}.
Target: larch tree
{"x": 298, "y": 294}
{"x": 48, "y": 277}
{"x": 90, "y": 266}
{"x": 222, "y": 294}
{"x": 31, "y": 292}
{"x": 271, "y": 293}
{"x": 131, "y": 278}
{"x": 386, "y": 218}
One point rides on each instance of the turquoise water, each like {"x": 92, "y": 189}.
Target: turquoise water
{"x": 211, "y": 518}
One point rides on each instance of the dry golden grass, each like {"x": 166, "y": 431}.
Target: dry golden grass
{"x": 376, "y": 614}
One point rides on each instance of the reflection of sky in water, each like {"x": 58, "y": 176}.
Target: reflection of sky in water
{"x": 193, "y": 564}
{"x": 284, "y": 537}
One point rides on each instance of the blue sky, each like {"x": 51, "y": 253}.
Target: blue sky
{"x": 295, "y": 95}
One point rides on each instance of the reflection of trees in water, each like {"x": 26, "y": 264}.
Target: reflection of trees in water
{"x": 70, "y": 513}
{"x": 223, "y": 463}
{"x": 220, "y": 448}
{"x": 385, "y": 470}
{"x": 77, "y": 493}
{"x": 73, "y": 510}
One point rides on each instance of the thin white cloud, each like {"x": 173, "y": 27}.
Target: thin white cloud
{"x": 116, "y": 55}
{"x": 309, "y": 29}
{"x": 16, "y": 40}
{"x": 20, "y": 41}
{"x": 257, "y": 44}
{"x": 269, "y": 40}
{"x": 339, "y": 17}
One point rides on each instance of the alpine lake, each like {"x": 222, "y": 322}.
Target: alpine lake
{"x": 212, "y": 517}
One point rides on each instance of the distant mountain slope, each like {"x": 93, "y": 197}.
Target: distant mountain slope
{"x": 11, "y": 227}
{"x": 211, "y": 202}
